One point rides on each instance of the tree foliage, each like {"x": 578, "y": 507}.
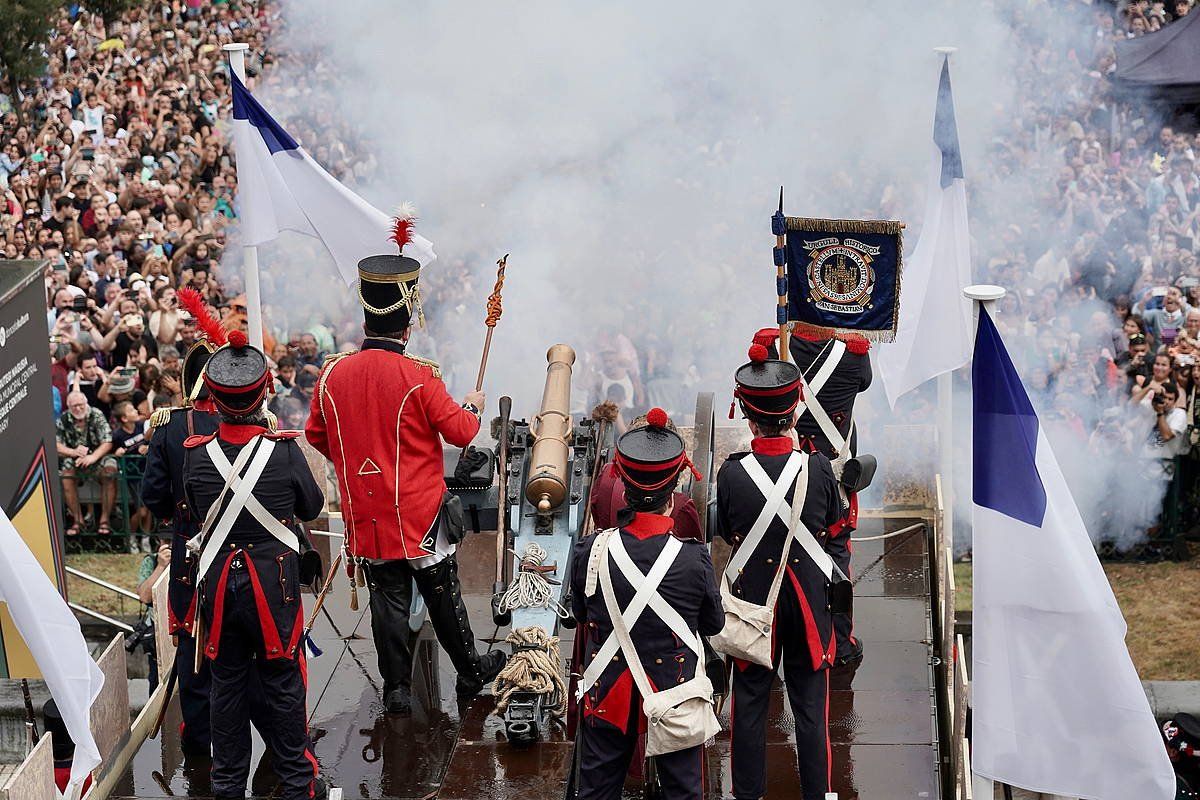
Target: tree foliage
{"x": 24, "y": 31}
{"x": 109, "y": 10}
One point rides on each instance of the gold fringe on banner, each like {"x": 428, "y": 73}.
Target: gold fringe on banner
{"x": 889, "y": 227}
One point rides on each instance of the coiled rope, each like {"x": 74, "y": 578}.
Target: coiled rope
{"x": 530, "y": 587}
{"x": 535, "y": 667}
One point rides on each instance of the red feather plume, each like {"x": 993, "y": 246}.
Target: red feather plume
{"x": 191, "y": 300}
{"x": 402, "y": 229}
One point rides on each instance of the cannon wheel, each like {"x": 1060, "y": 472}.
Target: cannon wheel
{"x": 704, "y": 455}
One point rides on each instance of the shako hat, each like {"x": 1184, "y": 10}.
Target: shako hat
{"x": 649, "y": 460}
{"x": 387, "y": 284}
{"x": 212, "y": 336}
{"x": 237, "y": 376}
{"x": 63, "y": 745}
{"x": 767, "y": 389}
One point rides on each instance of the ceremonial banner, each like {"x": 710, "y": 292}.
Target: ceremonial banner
{"x": 29, "y": 487}
{"x": 1057, "y": 704}
{"x": 845, "y": 274}
{"x": 281, "y": 188}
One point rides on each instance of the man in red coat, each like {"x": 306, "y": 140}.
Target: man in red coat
{"x": 380, "y": 415}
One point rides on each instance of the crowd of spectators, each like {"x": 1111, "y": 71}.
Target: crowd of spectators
{"x": 119, "y": 173}
{"x": 1089, "y": 211}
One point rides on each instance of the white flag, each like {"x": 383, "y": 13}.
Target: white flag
{"x": 1057, "y": 704}
{"x": 281, "y": 188}
{"x": 934, "y": 331}
{"x": 50, "y": 629}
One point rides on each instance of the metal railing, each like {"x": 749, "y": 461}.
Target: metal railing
{"x": 112, "y": 587}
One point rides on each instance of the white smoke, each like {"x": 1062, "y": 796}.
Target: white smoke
{"x": 628, "y": 156}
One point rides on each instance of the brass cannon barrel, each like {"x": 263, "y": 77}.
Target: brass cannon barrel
{"x": 548, "y": 479}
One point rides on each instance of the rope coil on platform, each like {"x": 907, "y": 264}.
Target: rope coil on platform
{"x": 534, "y": 667}
{"x": 530, "y": 588}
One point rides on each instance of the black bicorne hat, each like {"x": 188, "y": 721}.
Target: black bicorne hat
{"x": 649, "y": 460}
{"x": 767, "y": 388}
{"x": 387, "y": 284}
{"x": 237, "y": 377}
{"x": 192, "y": 369}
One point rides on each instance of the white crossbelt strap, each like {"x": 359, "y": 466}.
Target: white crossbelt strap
{"x": 658, "y": 604}
{"x": 646, "y": 587}
{"x": 218, "y": 522}
{"x": 621, "y": 631}
{"x": 776, "y": 505}
{"x": 799, "y": 531}
{"x": 813, "y": 406}
{"x": 273, "y": 526}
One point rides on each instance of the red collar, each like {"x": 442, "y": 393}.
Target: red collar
{"x": 646, "y": 525}
{"x": 772, "y": 445}
{"x": 239, "y": 434}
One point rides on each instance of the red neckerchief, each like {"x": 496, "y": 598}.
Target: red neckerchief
{"x": 239, "y": 434}
{"x": 645, "y": 525}
{"x": 772, "y": 445}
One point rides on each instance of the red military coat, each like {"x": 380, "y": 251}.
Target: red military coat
{"x": 380, "y": 415}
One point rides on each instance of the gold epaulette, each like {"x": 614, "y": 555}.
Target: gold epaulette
{"x": 272, "y": 420}
{"x": 332, "y": 357}
{"x": 426, "y": 362}
{"x": 162, "y": 416}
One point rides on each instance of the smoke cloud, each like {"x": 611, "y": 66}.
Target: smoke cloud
{"x": 628, "y": 156}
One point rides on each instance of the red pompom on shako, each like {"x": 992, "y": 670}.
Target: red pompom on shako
{"x": 649, "y": 459}
{"x": 237, "y": 377}
{"x": 657, "y": 418}
{"x": 767, "y": 388}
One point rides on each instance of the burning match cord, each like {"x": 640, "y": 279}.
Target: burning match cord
{"x": 534, "y": 668}
{"x": 494, "y": 307}
{"x": 494, "y": 310}
{"x": 530, "y": 588}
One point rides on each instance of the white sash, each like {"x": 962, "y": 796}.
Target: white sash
{"x": 799, "y": 532}
{"x": 217, "y": 522}
{"x": 776, "y": 505}
{"x": 646, "y": 594}
{"x": 813, "y": 406}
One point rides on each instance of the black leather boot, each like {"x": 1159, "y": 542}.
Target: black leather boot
{"x": 443, "y": 596}
{"x": 390, "y": 584}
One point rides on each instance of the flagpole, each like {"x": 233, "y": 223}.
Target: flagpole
{"x": 945, "y": 417}
{"x": 254, "y": 316}
{"x": 983, "y": 296}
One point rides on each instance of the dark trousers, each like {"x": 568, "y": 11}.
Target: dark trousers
{"x": 840, "y": 550}
{"x": 808, "y": 693}
{"x": 194, "y": 733}
{"x": 282, "y": 684}
{"x": 391, "y": 584}
{"x": 606, "y": 756}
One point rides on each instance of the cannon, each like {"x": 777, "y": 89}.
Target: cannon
{"x": 533, "y": 488}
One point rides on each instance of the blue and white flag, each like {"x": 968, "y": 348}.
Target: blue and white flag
{"x": 934, "y": 331}
{"x": 281, "y": 188}
{"x": 1057, "y": 704}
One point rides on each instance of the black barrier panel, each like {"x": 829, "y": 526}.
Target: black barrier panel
{"x": 29, "y": 488}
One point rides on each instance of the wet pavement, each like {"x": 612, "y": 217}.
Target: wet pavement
{"x": 881, "y": 714}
